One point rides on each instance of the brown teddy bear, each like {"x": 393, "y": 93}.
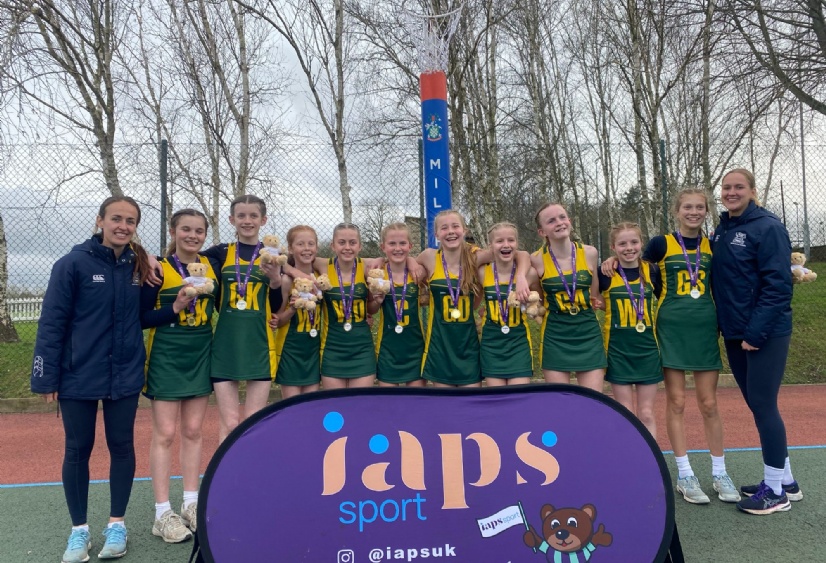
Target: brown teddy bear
{"x": 305, "y": 294}
{"x": 568, "y": 530}
{"x": 799, "y": 273}
{"x": 272, "y": 251}
{"x": 322, "y": 282}
{"x": 533, "y": 308}
{"x": 377, "y": 281}
{"x": 197, "y": 277}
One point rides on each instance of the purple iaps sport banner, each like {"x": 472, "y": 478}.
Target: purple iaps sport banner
{"x": 536, "y": 473}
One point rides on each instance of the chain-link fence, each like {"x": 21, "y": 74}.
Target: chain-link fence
{"x": 50, "y": 193}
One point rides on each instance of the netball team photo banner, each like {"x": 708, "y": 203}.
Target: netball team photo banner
{"x": 525, "y": 473}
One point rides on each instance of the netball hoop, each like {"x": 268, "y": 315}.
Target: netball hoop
{"x": 431, "y": 34}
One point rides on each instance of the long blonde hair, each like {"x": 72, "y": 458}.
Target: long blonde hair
{"x": 467, "y": 258}
{"x": 503, "y": 225}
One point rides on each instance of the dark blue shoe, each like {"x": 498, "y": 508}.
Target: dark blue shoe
{"x": 792, "y": 491}
{"x": 764, "y": 501}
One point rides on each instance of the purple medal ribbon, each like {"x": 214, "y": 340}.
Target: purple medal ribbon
{"x": 570, "y": 291}
{"x": 639, "y": 306}
{"x": 242, "y": 289}
{"x": 182, "y": 272}
{"x": 454, "y": 297}
{"x": 398, "y": 306}
{"x": 692, "y": 273}
{"x": 347, "y": 302}
{"x": 504, "y": 311}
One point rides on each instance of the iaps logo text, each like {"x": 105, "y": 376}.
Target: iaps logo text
{"x": 457, "y": 456}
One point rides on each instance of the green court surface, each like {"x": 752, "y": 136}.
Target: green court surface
{"x": 35, "y": 523}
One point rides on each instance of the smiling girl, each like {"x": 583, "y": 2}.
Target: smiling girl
{"x": 571, "y": 337}
{"x": 298, "y": 341}
{"x": 506, "y": 341}
{"x": 244, "y": 346}
{"x": 178, "y": 371}
{"x": 634, "y": 367}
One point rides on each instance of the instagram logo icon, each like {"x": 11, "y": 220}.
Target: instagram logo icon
{"x": 345, "y": 556}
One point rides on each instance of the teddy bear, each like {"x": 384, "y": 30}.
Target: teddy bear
{"x": 568, "y": 530}
{"x": 272, "y": 251}
{"x": 197, "y": 277}
{"x": 533, "y": 308}
{"x": 799, "y": 273}
{"x": 377, "y": 282}
{"x": 322, "y": 282}
{"x": 305, "y": 294}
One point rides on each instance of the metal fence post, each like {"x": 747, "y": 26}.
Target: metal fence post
{"x": 163, "y": 173}
{"x": 664, "y": 186}
{"x": 422, "y": 218}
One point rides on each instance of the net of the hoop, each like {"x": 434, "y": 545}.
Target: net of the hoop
{"x": 431, "y": 35}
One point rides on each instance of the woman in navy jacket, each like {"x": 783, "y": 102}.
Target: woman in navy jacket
{"x": 752, "y": 289}
{"x": 89, "y": 348}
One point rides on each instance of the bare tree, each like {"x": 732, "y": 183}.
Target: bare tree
{"x": 213, "y": 96}
{"x": 787, "y": 38}
{"x": 63, "y": 62}
{"x": 316, "y": 34}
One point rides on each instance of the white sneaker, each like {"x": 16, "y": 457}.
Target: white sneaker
{"x": 691, "y": 491}
{"x": 171, "y": 528}
{"x": 726, "y": 491}
{"x": 189, "y": 515}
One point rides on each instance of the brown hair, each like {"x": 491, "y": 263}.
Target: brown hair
{"x": 502, "y": 225}
{"x": 343, "y": 226}
{"x": 176, "y": 218}
{"x": 247, "y": 198}
{"x": 539, "y": 225}
{"x": 467, "y": 258}
{"x": 291, "y": 234}
{"x": 398, "y": 226}
{"x": 750, "y": 180}
{"x": 141, "y": 258}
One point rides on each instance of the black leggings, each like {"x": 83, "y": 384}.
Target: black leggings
{"x": 79, "y": 419}
{"x": 759, "y": 375}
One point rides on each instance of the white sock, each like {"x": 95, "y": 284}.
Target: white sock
{"x": 773, "y": 476}
{"x": 683, "y": 467}
{"x": 788, "y": 478}
{"x": 120, "y": 523}
{"x": 190, "y": 497}
{"x": 718, "y": 465}
{"x": 81, "y": 527}
{"x": 160, "y": 508}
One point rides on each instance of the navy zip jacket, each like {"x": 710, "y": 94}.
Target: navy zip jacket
{"x": 751, "y": 276}
{"x": 89, "y": 341}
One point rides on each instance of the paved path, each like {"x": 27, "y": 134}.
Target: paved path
{"x": 31, "y": 445}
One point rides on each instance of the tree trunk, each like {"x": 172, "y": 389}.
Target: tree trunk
{"x": 7, "y": 330}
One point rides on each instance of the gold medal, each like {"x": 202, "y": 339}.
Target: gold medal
{"x": 640, "y": 326}
{"x": 241, "y": 304}
{"x": 574, "y": 309}
{"x": 455, "y": 314}
{"x": 190, "y": 319}
{"x": 348, "y": 327}
{"x": 694, "y": 293}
